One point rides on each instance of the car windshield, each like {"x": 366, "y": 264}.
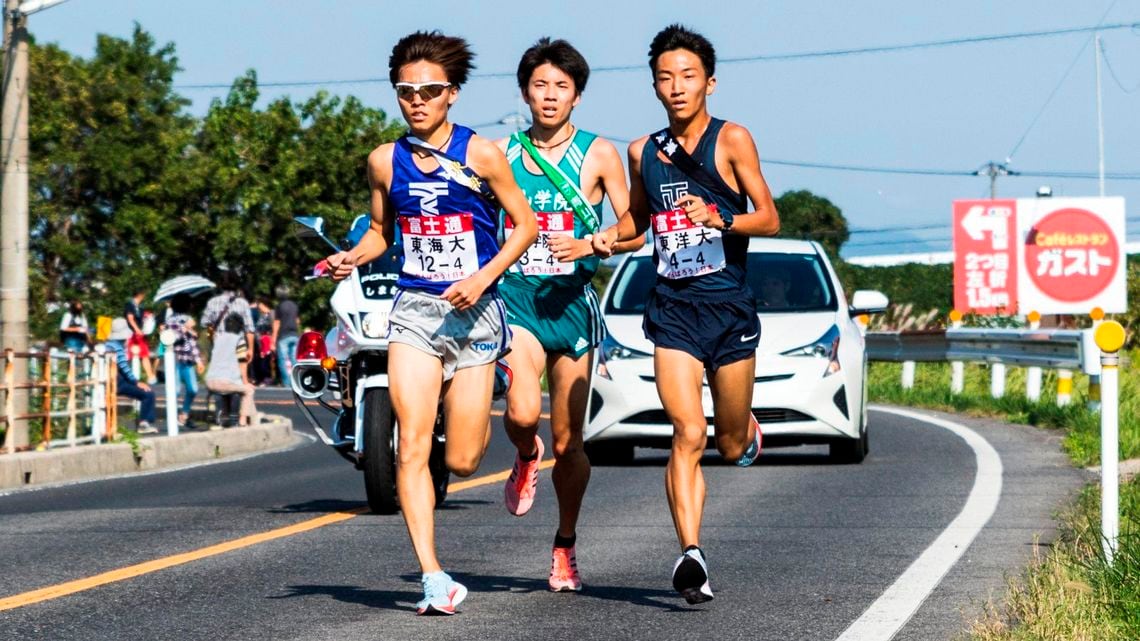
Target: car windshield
{"x": 780, "y": 283}
{"x": 378, "y": 278}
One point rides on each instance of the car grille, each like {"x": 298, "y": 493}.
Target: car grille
{"x": 764, "y": 415}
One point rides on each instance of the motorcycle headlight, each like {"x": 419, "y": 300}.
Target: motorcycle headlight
{"x": 374, "y": 324}
{"x": 826, "y": 346}
{"x": 611, "y": 350}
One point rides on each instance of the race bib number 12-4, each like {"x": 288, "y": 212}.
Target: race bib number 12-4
{"x": 538, "y": 261}
{"x": 686, "y": 249}
{"x": 439, "y": 248}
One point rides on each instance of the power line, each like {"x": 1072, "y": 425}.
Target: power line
{"x": 1112, "y": 71}
{"x": 1061, "y": 82}
{"x": 779, "y": 57}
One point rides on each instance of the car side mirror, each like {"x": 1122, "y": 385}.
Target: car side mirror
{"x": 868, "y": 301}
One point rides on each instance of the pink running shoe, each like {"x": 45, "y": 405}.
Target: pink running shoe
{"x": 519, "y": 492}
{"x": 564, "y": 571}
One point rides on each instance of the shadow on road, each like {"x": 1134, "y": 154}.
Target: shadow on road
{"x": 319, "y": 505}
{"x": 711, "y": 459}
{"x": 665, "y": 600}
{"x": 387, "y": 599}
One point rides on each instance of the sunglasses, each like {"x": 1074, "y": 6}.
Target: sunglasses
{"x": 426, "y": 90}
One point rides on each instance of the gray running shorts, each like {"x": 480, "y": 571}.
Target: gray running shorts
{"x": 460, "y": 339}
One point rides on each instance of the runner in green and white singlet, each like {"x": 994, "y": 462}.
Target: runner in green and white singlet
{"x": 551, "y": 306}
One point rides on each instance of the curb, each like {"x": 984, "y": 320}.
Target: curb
{"x": 85, "y": 462}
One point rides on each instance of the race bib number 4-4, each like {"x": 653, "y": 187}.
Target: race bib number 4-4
{"x": 538, "y": 260}
{"x": 685, "y": 249}
{"x": 439, "y": 248}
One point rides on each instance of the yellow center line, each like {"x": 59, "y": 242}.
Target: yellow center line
{"x": 132, "y": 571}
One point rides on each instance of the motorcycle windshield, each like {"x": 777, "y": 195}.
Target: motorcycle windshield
{"x": 378, "y": 278}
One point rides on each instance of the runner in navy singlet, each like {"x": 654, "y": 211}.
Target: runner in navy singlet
{"x": 701, "y": 316}
{"x": 448, "y": 325}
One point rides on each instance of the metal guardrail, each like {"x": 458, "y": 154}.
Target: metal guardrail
{"x": 1048, "y": 349}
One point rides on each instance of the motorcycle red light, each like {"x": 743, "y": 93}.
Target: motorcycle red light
{"x": 311, "y": 347}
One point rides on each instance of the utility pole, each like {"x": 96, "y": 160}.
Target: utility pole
{"x": 14, "y": 204}
{"x": 1099, "y": 116}
{"x": 993, "y": 170}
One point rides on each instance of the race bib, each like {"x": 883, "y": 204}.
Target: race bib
{"x": 439, "y": 248}
{"x": 685, "y": 249}
{"x": 538, "y": 261}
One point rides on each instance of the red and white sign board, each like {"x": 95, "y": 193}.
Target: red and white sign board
{"x": 1072, "y": 255}
{"x": 1052, "y": 255}
{"x": 985, "y": 256}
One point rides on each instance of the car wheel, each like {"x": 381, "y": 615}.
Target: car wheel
{"x": 850, "y": 450}
{"x": 609, "y": 453}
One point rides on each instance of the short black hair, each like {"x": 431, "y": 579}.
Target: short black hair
{"x": 678, "y": 36}
{"x": 450, "y": 52}
{"x": 559, "y": 53}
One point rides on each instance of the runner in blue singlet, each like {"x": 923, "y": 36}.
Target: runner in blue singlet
{"x": 700, "y": 316}
{"x": 448, "y": 325}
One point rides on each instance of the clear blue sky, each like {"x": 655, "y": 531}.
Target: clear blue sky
{"x": 951, "y": 108}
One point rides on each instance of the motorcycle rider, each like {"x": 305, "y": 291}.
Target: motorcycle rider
{"x": 447, "y": 326}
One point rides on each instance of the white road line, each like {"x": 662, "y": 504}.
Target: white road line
{"x": 890, "y": 612}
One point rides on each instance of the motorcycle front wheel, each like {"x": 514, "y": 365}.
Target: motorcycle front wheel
{"x": 379, "y": 461}
{"x": 437, "y": 464}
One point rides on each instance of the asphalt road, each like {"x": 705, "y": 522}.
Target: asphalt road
{"x": 798, "y": 548}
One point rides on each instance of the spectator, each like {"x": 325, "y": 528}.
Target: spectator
{"x": 187, "y": 357}
{"x": 135, "y": 318}
{"x": 261, "y": 370}
{"x": 129, "y": 385}
{"x": 230, "y": 301}
{"x": 73, "y": 328}
{"x": 285, "y": 335}
{"x": 227, "y": 372}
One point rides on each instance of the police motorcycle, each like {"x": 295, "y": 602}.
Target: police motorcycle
{"x": 344, "y": 374}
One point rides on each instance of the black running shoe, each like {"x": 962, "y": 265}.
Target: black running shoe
{"x": 691, "y": 577}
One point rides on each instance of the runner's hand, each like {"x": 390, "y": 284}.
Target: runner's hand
{"x": 341, "y": 265}
{"x": 465, "y": 293}
{"x": 566, "y": 249}
{"x": 698, "y": 212}
{"x": 604, "y": 242}
{"x": 143, "y": 386}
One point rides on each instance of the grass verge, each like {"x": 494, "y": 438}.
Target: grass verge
{"x": 1071, "y": 593}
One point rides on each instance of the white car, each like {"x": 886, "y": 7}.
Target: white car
{"x": 810, "y": 363}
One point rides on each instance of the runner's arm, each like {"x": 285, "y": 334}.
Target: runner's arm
{"x": 491, "y": 165}
{"x": 745, "y": 161}
{"x": 634, "y": 221}
{"x": 380, "y": 230}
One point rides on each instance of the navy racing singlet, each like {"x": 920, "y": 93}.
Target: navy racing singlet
{"x": 717, "y": 262}
{"x": 449, "y": 231}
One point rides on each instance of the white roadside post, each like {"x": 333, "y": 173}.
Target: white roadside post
{"x": 997, "y": 380}
{"x": 1097, "y": 316}
{"x": 167, "y": 337}
{"x": 1109, "y": 338}
{"x": 957, "y": 368}
{"x": 908, "y": 374}
{"x": 1033, "y": 374}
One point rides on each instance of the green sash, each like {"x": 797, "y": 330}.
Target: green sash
{"x": 569, "y": 190}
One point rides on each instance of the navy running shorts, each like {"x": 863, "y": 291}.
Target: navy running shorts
{"x": 714, "y": 330}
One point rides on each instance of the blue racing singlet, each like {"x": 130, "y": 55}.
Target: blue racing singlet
{"x": 448, "y": 231}
{"x": 664, "y": 185}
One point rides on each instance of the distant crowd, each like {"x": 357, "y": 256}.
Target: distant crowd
{"x": 250, "y": 345}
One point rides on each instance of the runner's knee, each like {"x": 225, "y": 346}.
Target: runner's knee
{"x": 463, "y": 464}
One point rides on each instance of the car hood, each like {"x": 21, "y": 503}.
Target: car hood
{"x": 778, "y": 332}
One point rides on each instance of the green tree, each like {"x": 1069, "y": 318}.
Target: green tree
{"x": 127, "y": 189}
{"x": 106, "y": 137}
{"x": 806, "y": 215}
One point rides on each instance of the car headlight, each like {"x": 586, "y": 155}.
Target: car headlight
{"x": 611, "y": 350}
{"x": 375, "y": 324}
{"x": 826, "y": 346}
